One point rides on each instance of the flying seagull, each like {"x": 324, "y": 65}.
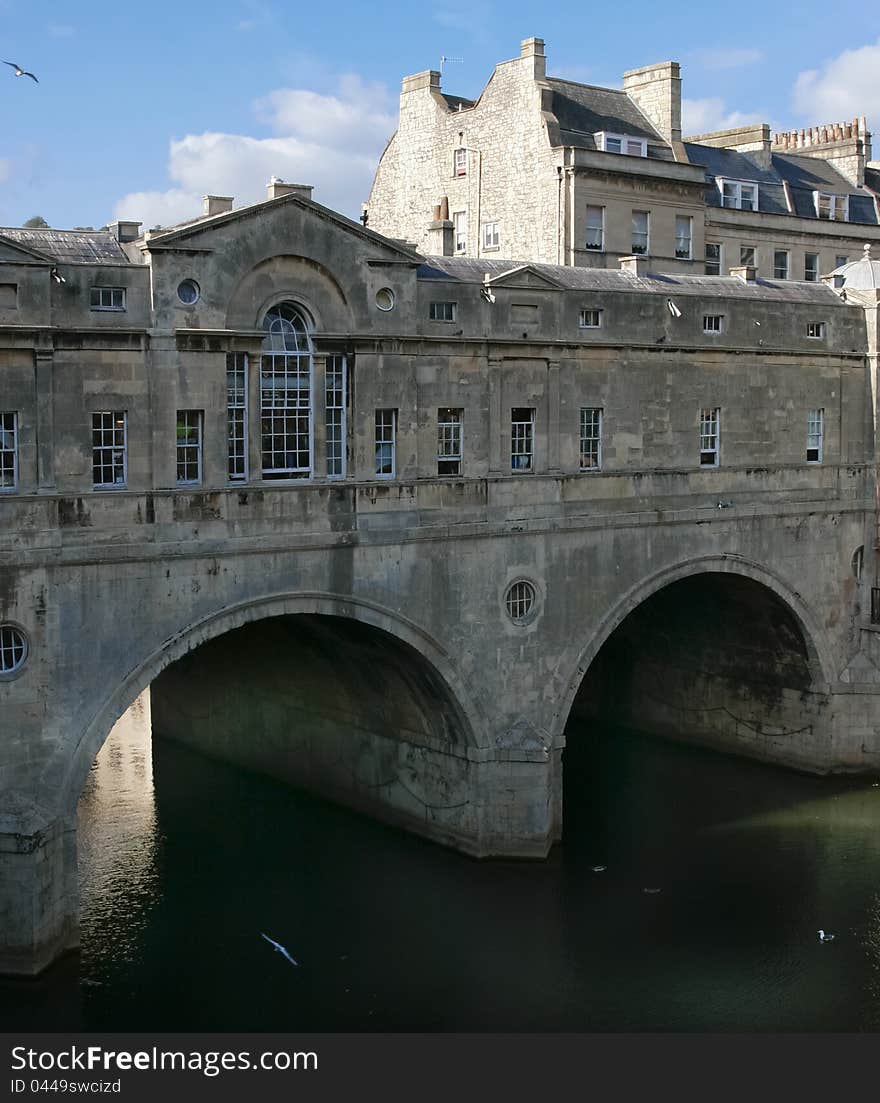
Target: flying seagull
{"x": 823, "y": 937}
{"x": 279, "y": 948}
{"x": 19, "y": 72}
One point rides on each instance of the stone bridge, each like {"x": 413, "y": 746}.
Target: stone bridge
{"x": 410, "y": 639}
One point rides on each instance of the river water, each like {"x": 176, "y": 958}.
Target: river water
{"x": 184, "y": 861}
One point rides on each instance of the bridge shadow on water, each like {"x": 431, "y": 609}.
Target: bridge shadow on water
{"x": 395, "y": 933}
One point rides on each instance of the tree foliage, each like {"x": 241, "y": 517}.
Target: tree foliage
{"x": 35, "y": 223}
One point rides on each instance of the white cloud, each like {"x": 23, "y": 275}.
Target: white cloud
{"x": 702, "y": 116}
{"x": 727, "y": 57}
{"x": 331, "y": 141}
{"x": 846, "y": 86}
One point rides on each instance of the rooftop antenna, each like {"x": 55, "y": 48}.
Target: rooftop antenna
{"x": 444, "y": 59}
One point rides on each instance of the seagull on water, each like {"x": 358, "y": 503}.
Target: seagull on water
{"x": 279, "y": 948}
{"x": 19, "y": 72}
{"x": 823, "y": 937}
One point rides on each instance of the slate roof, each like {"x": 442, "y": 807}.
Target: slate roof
{"x": 582, "y": 110}
{"x": 804, "y": 175}
{"x": 467, "y": 270}
{"x": 69, "y": 246}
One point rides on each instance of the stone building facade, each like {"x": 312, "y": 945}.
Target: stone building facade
{"x": 369, "y": 520}
{"x": 549, "y": 170}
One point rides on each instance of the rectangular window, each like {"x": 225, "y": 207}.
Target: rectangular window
{"x": 8, "y": 450}
{"x": 442, "y": 311}
{"x": 816, "y": 330}
{"x": 747, "y": 255}
{"x": 491, "y": 235}
{"x": 713, "y": 323}
{"x": 236, "y": 416}
{"x": 640, "y": 223}
{"x": 713, "y": 258}
{"x": 460, "y": 163}
{"x": 709, "y": 420}
{"x": 189, "y": 447}
{"x": 590, "y": 318}
{"x": 811, "y": 267}
{"x": 839, "y": 262}
{"x": 286, "y": 415}
{"x": 833, "y": 207}
{"x": 740, "y": 196}
{"x": 780, "y": 264}
{"x": 591, "y": 438}
{"x": 522, "y": 438}
{"x": 683, "y": 237}
{"x": 595, "y": 228}
{"x": 449, "y": 423}
{"x": 335, "y": 405}
{"x": 107, "y": 298}
{"x": 109, "y": 448}
{"x": 459, "y": 231}
{"x": 815, "y": 435}
{"x": 386, "y": 443}
{"x": 622, "y": 143}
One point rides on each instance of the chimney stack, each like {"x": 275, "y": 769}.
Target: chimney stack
{"x": 656, "y": 91}
{"x": 215, "y": 204}
{"x": 276, "y": 188}
{"x": 533, "y": 49}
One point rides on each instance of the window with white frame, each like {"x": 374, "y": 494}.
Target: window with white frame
{"x": 595, "y": 228}
{"x": 815, "y": 435}
{"x": 780, "y": 264}
{"x": 747, "y": 255}
{"x": 386, "y": 443}
{"x": 522, "y": 438}
{"x": 738, "y": 194}
{"x": 590, "y": 318}
{"x": 13, "y": 649}
{"x": 491, "y": 235}
{"x": 460, "y": 162}
{"x": 591, "y": 438}
{"x": 189, "y": 447}
{"x": 459, "y": 231}
{"x": 709, "y": 438}
{"x": 713, "y": 258}
{"x": 107, "y": 298}
{"x": 8, "y": 450}
{"x": 237, "y": 417}
{"x": 442, "y": 311}
{"x": 833, "y": 207}
{"x": 622, "y": 143}
{"x": 109, "y": 448}
{"x": 449, "y": 440}
{"x": 335, "y": 405}
{"x": 286, "y": 394}
{"x": 811, "y": 267}
{"x": 684, "y": 234}
{"x": 816, "y": 330}
{"x": 713, "y": 323}
{"x": 640, "y": 229}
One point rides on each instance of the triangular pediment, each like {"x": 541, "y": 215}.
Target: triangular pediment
{"x": 526, "y": 278}
{"x": 197, "y": 235}
{"x": 11, "y": 252}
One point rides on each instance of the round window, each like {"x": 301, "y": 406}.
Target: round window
{"x": 520, "y": 601}
{"x": 188, "y": 292}
{"x": 385, "y": 298}
{"x": 13, "y": 649}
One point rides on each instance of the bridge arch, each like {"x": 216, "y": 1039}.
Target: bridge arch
{"x": 464, "y": 719}
{"x": 817, "y": 670}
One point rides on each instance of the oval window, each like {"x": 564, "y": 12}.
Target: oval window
{"x": 188, "y": 292}
{"x": 13, "y": 649}
{"x": 385, "y": 298}
{"x": 520, "y": 601}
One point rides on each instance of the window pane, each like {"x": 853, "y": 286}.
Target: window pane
{"x": 522, "y": 429}
{"x": 8, "y": 450}
{"x": 591, "y": 438}
{"x": 285, "y": 395}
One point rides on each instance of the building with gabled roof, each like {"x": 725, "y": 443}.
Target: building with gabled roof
{"x": 567, "y": 173}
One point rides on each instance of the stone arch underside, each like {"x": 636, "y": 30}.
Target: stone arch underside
{"x": 338, "y": 697}
{"x": 718, "y": 656}
{"x": 287, "y": 276}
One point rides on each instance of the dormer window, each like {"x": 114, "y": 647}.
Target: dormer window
{"x": 460, "y": 162}
{"x": 738, "y": 194}
{"x": 622, "y": 143}
{"x": 833, "y": 207}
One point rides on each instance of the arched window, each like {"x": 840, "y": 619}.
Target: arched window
{"x": 286, "y": 394}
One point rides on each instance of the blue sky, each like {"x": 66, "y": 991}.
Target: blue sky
{"x": 141, "y": 109}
